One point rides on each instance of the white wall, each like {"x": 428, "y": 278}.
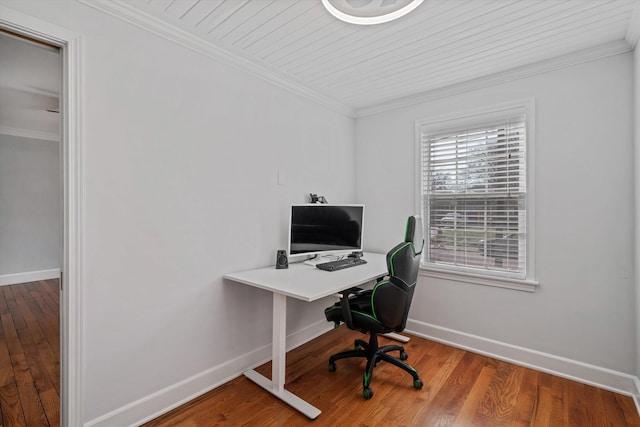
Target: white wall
{"x": 181, "y": 159}
{"x": 29, "y": 207}
{"x": 584, "y": 309}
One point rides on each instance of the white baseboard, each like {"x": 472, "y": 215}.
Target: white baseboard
{"x": 30, "y": 276}
{"x": 636, "y": 395}
{"x": 163, "y": 401}
{"x": 597, "y": 376}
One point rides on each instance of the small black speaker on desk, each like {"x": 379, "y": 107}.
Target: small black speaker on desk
{"x": 281, "y": 260}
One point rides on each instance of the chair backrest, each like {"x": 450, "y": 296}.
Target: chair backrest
{"x": 403, "y": 261}
{"x": 391, "y": 299}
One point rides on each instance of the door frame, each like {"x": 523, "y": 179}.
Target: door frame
{"x": 72, "y": 278}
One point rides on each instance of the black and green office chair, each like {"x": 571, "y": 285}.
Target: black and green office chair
{"x": 382, "y": 309}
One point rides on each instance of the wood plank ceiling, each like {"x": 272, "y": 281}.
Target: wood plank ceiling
{"x": 441, "y": 43}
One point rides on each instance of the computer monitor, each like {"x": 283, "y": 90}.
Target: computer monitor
{"x": 323, "y": 229}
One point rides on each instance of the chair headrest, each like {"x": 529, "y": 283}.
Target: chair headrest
{"x": 414, "y": 233}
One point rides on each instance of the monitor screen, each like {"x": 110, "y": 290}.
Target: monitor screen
{"x": 322, "y": 228}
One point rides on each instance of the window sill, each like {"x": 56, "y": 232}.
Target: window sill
{"x": 495, "y": 281}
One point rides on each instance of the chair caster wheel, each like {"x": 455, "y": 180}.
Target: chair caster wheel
{"x": 418, "y": 384}
{"x": 332, "y": 367}
{"x": 403, "y": 355}
{"x": 367, "y": 393}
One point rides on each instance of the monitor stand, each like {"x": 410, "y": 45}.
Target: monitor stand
{"x": 321, "y": 258}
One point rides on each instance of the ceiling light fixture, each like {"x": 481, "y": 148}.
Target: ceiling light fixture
{"x": 369, "y": 12}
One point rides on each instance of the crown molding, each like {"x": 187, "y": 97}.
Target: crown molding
{"x": 31, "y": 134}
{"x": 145, "y": 21}
{"x": 575, "y": 58}
{"x": 633, "y": 30}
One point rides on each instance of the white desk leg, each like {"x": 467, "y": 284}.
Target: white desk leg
{"x": 397, "y": 337}
{"x": 279, "y": 350}
{"x": 275, "y": 386}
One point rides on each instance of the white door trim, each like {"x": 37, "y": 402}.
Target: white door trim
{"x": 71, "y": 305}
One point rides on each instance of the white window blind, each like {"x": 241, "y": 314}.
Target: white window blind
{"x": 474, "y": 188}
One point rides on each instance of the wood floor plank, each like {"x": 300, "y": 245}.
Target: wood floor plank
{"x": 44, "y": 377}
{"x": 28, "y": 313}
{"x": 12, "y": 306}
{"x": 12, "y": 413}
{"x": 615, "y": 416}
{"x": 6, "y": 368}
{"x": 32, "y": 408}
{"x": 50, "y": 400}
{"x": 434, "y": 382}
{"x": 4, "y": 306}
{"x": 467, "y": 413}
{"x": 526, "y": 404}
{"x": 49, "y": 306}
{"x": 53, "y": 291}
{"x": 628, "y": 409}
{"x": 501, "y": 398}
{"x": 451, "y": 397}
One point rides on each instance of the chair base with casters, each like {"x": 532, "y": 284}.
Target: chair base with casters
{"x": 374, "y": 354}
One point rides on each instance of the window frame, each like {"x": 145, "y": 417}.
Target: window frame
{"x": 474, "y": 117}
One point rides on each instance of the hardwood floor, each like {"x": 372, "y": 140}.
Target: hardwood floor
{"x": 30, "y": 354}
{"x": 460, "y": 389}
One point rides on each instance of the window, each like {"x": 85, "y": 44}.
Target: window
{"x": 475, "y": 194}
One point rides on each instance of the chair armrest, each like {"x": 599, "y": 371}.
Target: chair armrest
{"x": 344, "y": 305}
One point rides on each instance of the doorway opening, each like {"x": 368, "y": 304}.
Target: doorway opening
{"x": 31, "y": 250}
{"x": 71, "y": 320}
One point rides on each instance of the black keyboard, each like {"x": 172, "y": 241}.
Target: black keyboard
{"x": 340, "y": 264}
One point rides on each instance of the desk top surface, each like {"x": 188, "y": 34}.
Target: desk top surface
{"x": 309, "y": 283}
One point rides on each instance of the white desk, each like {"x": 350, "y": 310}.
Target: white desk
{"x": 306, "y": 283}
